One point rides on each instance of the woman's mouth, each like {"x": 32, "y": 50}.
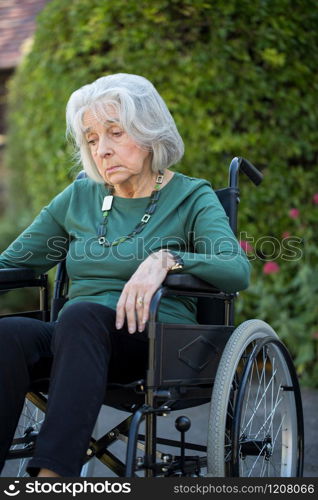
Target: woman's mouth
{"x": 112, "y": 169}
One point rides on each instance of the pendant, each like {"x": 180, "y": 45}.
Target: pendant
{"x": 107, "y": 203}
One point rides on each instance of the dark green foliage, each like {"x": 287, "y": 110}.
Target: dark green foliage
{"x": 240, "y": 78}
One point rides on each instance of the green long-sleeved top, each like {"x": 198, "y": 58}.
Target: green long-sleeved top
{"x": 189, "y": 219}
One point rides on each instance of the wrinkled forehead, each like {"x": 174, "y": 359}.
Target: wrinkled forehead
{"x": 99, "y": 114}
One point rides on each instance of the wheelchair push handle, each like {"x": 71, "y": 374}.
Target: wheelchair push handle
{"x": 240, "y": 163}
{"x": 248, "y": 168}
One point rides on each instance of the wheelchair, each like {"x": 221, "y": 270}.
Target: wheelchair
{"x": 245, "y": 373}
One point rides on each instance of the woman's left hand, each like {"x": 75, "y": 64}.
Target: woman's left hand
{"x": 135, "y": 298}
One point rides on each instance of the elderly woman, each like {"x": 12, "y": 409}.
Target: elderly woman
{"x": 121, "y": 229}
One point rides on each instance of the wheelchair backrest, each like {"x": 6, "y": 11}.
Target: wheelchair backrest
{"x": 229, "y": 198}
{"x": 212, "y": 311}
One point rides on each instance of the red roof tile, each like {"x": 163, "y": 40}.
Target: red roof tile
{"x": 17, "y": 24}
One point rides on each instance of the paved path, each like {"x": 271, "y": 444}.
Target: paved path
{"x": 111, "y": 417}
{"x": 310, "y": 405}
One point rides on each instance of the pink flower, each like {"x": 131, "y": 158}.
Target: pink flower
{"x": 294, "y": 213}
{"x": 270, "y": 267}
{"x": 315, "y": 199}
{"x": 315, "y": 335}
{"x": 286, "y": 234}
{"x": 247, "y": 247}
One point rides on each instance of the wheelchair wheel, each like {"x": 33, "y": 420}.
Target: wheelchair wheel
{"x": 23, "y": 443}
{"x": 256, "y": 421}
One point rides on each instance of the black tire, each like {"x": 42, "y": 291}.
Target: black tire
{"x": 256, "y": 421}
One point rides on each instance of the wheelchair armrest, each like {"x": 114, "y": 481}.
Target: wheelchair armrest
{"x": 188, "y": 282}
{"x": 16, "y": 275}
{"x": 15, "y": 278}
{"x": 186, "y": 285}
{"x": 22, "y": 277}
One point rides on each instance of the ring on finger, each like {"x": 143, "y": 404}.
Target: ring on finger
{"x": 140, "y": 301}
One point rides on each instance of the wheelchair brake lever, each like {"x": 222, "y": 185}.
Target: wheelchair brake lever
{"x": 182, "y": 424}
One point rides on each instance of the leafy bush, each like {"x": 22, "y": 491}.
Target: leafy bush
{"x": 240, "y": 78}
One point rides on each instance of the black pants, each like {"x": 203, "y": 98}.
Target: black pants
{"x": 87, "y": 352}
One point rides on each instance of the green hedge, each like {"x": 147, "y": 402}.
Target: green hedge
{"x": 240, "y": 78}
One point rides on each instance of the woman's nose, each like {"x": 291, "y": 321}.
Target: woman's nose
{"x": 104, "y": 148}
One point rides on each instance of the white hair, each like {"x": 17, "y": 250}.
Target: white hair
{"x": 141, "y": 111}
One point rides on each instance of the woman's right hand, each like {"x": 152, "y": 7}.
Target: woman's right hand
{"x": 134, "y": 301}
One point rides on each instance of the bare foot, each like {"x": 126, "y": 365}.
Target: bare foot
{"x": 47, "y": 473}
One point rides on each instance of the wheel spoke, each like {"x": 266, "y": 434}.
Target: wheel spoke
{"x": 257, "y": 407}
{"x": 31, "y": 418}
{"x": 269, "y": 417}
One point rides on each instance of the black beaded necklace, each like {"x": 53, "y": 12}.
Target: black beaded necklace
{"x": 150, "y": 210}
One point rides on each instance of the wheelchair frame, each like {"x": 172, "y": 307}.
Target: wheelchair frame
{"x": 182, "y": 379}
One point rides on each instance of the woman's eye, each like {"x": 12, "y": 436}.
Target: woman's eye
{"x": 117, "y": 133}
{"x": 92, "y": 142}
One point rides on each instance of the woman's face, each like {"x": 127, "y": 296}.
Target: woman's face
{"x": 117, "y": 156}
